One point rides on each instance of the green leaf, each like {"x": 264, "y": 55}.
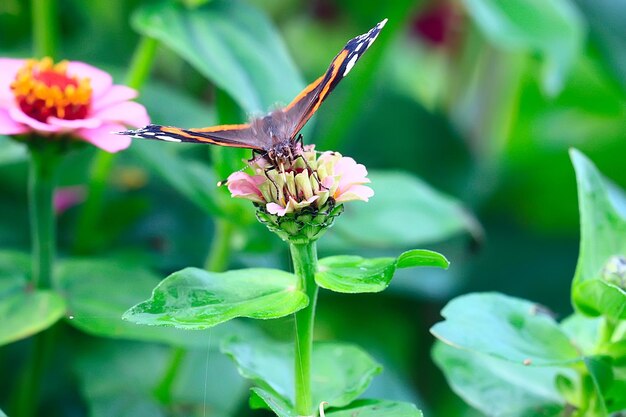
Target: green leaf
{"x": 340, "y": 372}
{"x": 599, "y": 368}
{"x": 98, "y": 292}
{"x": 505, "y": 327}
{"x": 27, "y": 313}
{"x": 500, "y": 388}
{"x": 603, "y": 235}
{"x": 195, "y": 181}
{"x": 422, "y": 257}
{"x": 2, "y": 414}
{"x": 354, "y": 274}
{"x": 554, "y": 29}
{"x": 260, "y": 398}
{"x": 24, "y": 311}
{"x": 583, "y": 332}
{"x": 377, "y": 408}
{"x": 404, "y": 211}
{"x": 229, "y": 42}
{"x": 196, "y": 299}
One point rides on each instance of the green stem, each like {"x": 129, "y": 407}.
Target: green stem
{"x": 137, "y": 75}
{"x": 219, "y": 253}
{"x": 163, "y": 391}
{"x": 304, "y": 259}
{"x": 45, "y": 29}
{"x": 42, "y": 175}
{"x": 141, "y": 63}
{"x": 606, "y": 331}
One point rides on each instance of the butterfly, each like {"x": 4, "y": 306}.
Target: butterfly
{"x": 275, "y": 136}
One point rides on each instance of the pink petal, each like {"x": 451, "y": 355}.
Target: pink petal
{"x": 243, "y": 185}
{"x": 100, "y": 80}
{"x": 90, "y": 123}
{"x": 19, "y": 116}
{"x": 128, "y": 113}
{"x": 8, "y": 70}
{"x": 103, "y": 139}
{"x": 355, "y": 192}
{"x": 273, "y": 208}
{"x": 115, "y": 94}
{"x": 8, "y": 126}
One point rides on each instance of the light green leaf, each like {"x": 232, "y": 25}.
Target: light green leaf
{"x": 2, "y": 414}
{"x": 354, "y": 274}
{"x": 98, "y": 292}
{"x": 377, "y": 408}
{"x": 582, "y": 331}
{"x": 554, "y": 29}
{"x": 196, "y": 299}
{"x": 340, "y": 372}
{"x": 500, "y": 388}
{"x": 505, "y": 327}
{"x": 260, "y": 398}
{"x": 232, "y": 44}
{"x": 26, "y": 313}
{"x": 403, "y": 212}
{"x": 603, "y": 235}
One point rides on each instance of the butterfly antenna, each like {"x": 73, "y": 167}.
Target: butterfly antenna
{"x": 248, "y": 165}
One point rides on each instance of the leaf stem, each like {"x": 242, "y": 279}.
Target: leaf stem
{"x": 304, "y": 257}
{"x": 101, "y": 166}
{"x": 45, "y": 30}
{"x": 219, "y": 254}
{"x": 163, "y": 391}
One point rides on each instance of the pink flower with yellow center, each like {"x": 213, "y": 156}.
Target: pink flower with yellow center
{"x": 66, "y": 99}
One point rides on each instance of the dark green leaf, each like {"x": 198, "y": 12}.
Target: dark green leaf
{"x": 500, "y": 388}
{"x": 377, "y": 408}
{"x": 505, "y": 327}
{"x": 98, "y": 292}
{"x": 404, "y": 211}
{"x": 599, "y": 368}
{"x": 354, "y": 274}
{"x": 340, "y": 372}
{"x": 603, "y": 235}
{"x": 232, "y": 44}
{"x": 26, "y": 313}
{"x": 196, "y": 299}
{"x": 553, "y": 28}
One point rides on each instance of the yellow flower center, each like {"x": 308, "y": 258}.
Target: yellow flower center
{"x": 43, "y": 89}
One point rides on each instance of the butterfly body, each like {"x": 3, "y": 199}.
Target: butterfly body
{"x": 274, "y": 136}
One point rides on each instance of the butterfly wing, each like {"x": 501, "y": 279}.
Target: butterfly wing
{"x": 235, "y": 136}
{"x": 300, "y": 110}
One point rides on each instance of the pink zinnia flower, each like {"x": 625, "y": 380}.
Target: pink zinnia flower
{"x": 68, "y": 98}
{"x": 310, "y": 182}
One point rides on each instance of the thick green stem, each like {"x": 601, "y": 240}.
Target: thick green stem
{"x": 45, "y": 29}
{"x": 43, "y": 166}
{"x": 137, "y": 75}
{"x": 163, "y": 391}
{"x": 42, "y": 175}
{"x": 305, "y": 264}
{"x": 219, "y": 254}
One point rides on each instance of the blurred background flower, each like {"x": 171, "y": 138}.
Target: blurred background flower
{"x": 66, "y": 99}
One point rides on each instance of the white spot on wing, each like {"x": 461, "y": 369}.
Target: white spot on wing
{"x": 351, "y": 64}
{"x": 358, "y": 47}
{"x": 168, "y": 138}
{"x": 148, "y": 133}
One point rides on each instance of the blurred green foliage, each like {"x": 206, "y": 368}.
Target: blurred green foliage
{"x": 481, "y": 99}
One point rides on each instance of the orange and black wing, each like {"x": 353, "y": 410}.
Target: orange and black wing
{"x": 235, "y": 136}
{"x": 300, "y": 110}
